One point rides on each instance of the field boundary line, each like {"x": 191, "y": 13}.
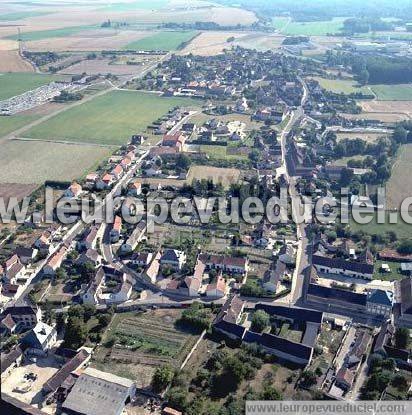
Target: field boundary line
{"x": 193, "y": 349}
{"x": 75, "y": 143}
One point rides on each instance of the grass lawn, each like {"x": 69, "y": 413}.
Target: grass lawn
{"x": 321, "y": 28}
{"x": 402, "y": 229}
{"x": 399, "y": 92}
{"x": 162, "y": 41}
{"x": 345, "y": 86}
{"x": 12, "y": 84}
{"x": 51, "y": 33}
{"x": 220, "y": 152}
{"x": 394, "y": 275}
{"x": 13, "y": 122}
{"x": 35, "y": 162}
{"x": 108, "y": 119}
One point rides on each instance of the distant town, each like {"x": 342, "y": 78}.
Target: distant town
{"x": 197, "y": 317}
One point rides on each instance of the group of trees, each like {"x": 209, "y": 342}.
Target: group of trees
{"x": 195, "y": 317}
{"x": 365, "y": 25}
{"x": 374, "y": 69}
{"x": 382, "y": 374}
{"x": 76, "y": 330}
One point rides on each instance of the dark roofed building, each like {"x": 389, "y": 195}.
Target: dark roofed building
{"x": 334, "y": 295}
{"x": 63, "y": 373}
{"x": 10, "y": 360}
{"x": 292, "y": 313}
{"x": 340, "y": 266}
{"x": 405, "y": 307}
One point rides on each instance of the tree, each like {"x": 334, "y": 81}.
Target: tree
{"x": 363, "y": 77}
{"x": 308, "y": 378}
{"x": 400, "y": 382}
{"x": 76, "y": 333}
{"x": 162, "y": 377}
{"x": 400, "y": 135}
{"x": 183, "y": 162}
{"x": 260, "y": 321}
{"x": 269, "y": 393}
{"x": 405, "y": 247}
{"x": 89, "y": 310}
{"x": 104, "y": 319}
{"x": 401, "y": 338}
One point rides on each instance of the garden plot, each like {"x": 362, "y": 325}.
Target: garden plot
{"x": 136, "y": 344}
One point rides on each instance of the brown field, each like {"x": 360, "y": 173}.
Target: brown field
{"x": 260, "y": 41}
{"x": 380, "y": 116}
{"x": 10, "y": 61}
{"x": 368, "y": 137}
{"x": 399, "y": 185}
{"x": 36, "y": 161}
{"x": 210, "y": 43}
{"x": 180, "y": 13}
{"x": 91, "y": 40}
{"x": 217, "y": 174}
{"x": 17, "y": 190}
{"x": 388, "y": 107}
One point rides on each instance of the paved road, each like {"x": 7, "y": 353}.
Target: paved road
{"x": 302, "y": 259}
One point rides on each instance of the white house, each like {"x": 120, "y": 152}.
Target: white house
{"x": 41, "y": 338}
{"x": 173, "y": 258}
{"x": 217, "y": 289}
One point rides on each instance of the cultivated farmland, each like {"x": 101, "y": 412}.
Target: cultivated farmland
{"x": 211, "y": 43}
{"x": 399, "y": 185}
{"x": 11, "y": 61}
{"x": 12, "y": 84}
{"x": 162, "y": 41}
{"x": 108, "y": 119}
{"x": 138, "y": 343}
{"x": 36, "y": 161}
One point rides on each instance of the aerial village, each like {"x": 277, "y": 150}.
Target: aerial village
{"x": 196, "y": 318}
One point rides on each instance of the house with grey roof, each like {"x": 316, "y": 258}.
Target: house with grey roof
{"x": 96, "y": 392}
{"x": 342, "y": 267}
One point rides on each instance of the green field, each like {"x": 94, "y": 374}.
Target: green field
{"x": 51, "y": 33}
{"x": 345, "y": 86}
{"x": 399, "y": 92}
{"x": 321, "y": 28}
{"x": 402, "y": 229}
{"x": 109, "y": 119}
{"x": 36, "y": 161}
{"x": 11, "y": 123}
{"x": 162, "y": 41}
{"x": 12, "y": 84}
{"x": 20, "y": 15}
{"x": 393, "y": 275}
